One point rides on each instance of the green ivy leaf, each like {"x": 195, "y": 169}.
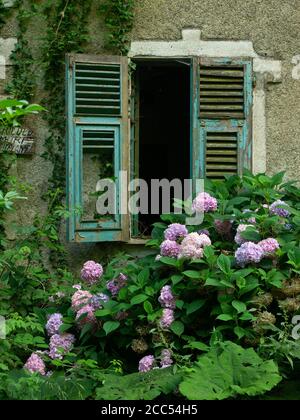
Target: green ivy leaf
{"x": 110, "y": 326}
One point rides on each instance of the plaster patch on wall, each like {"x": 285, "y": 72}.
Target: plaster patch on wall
{"x": 296, "y": 69}
{"x": 7, "y": 46}
{"x": 2, "y": 68}
{"x": 265, "y": 70}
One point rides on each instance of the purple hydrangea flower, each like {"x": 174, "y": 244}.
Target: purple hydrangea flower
{"x": 35, "y": 364}
{"x": 91, "y": 272}
{"x": 98, "y": 300}
{"x": 249, "y": 252}
{"x": 166, "y": 298}
{"x": 115, "y": 285}
{"x": 53, "y": 324}
{"x": 203, "y": 232}
{"x": 167, "y": 318}
{"x": 146, "y": 363}
{"x": 60, "y": 344}
{"x": 175, "y": 231}
{"x": 277, "y": 210}
{"x": 166, "y": 359}
{"x": 269, "y": 246}
{"x": 204, "y": 203}
{"x": 169, "y": 248}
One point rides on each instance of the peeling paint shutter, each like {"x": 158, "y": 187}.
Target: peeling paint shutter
{"x": 224, "y": 112}
{"x": 97, "y": 145}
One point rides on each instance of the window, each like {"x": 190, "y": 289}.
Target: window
{"x": 189, "y": 118}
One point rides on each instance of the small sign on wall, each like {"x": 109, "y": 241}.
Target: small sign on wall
{"x": 16, "y": 140}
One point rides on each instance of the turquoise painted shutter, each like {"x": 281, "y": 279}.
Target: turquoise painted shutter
{"x": 97, "y": 145}
{"x": 222, "y": 117}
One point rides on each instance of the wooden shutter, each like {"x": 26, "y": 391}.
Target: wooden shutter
{"x": 97, "y": 144}
{"x": 224, "y": 106}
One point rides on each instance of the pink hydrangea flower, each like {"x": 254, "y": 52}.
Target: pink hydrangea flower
{"x": 35, "y": 364}
{"x": 80, "y": 299}
{"x": 169, "y": 248}
{"x": 192, "y": 245}
{"x": 166, "y": 298}
{"x": 167, "y": 318}
{"x": 146, "y": 363}
{"x": 269, "y": 246}
{"x": 91, "y": 272}
{"x": 166, "y": 359}
{"x": 86, "y": 315}
{"x": 249, "y": 252}
{"x": 204, "y": 203}
{"x": 175, "y": 231}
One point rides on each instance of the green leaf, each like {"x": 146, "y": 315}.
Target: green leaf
{"x": 198, "y": 345}
{"x": 224, "y": 263}
{"x": 250, "y": 234}
{"x": 138, "y": 386}
{"x": 239, "y": 306}
{"x": 177, "y": 327}
{"x": 228, "y": 371}
{"x": 148, "y": 307}
{"x": 225, "y": 317}
{"x": 176, "y": 278}
{"x": 193, "y": 274}
{"x": 110, "y": 326}
{"x": 194, "y": 306}
{"x": 239, "y": 332}
{"x": 169, "y": 261}
{"x": 136, "y": 300}
{"x": 213, "y": 282}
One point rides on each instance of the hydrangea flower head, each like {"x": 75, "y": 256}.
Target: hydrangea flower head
{"x": 191, "y": 252}
{"x": 60, "y": 344}
{"x": 146, "y": 363}
{"x": 169, "y": 248}
{"x": 175, "y": 231}
{"x": 115, "y": 285}
{"x": 80, "y": 299}
{"x": 53, "y": 324}
{"x": 91, "y": 272}
{"x": 35, "y": 364}
{"x": 276, "y": 209}
{"x": 167, "y": 318}
{"x": 269, "y": 246}
{"x": 98, "y": 300}
{"x": 166, "y": 359}
{"x": 166, "y": 298}
{"x": 204, "y": 203}
{"x": 86, "y": 315}
{"x": 247, "y": 253}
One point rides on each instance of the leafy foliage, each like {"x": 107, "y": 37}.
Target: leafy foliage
{"x": 229, "y": 371}
{"x": 137, "y": 386}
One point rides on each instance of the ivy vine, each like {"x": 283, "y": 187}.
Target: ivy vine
{"x": 66, "y": 23}
{"x": 23, "y": 82}
{"x": 118, "y": 18}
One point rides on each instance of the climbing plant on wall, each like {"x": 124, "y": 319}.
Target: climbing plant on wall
{"x": 118, "y": 17}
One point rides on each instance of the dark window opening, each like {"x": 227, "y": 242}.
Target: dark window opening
{"x": 163, "y": 118}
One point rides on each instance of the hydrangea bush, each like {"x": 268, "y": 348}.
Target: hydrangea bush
{"x": 231, "y": 282}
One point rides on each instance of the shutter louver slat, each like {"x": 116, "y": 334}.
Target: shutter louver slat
{"x": 221, "y": 92}
{"x": 97, "y": 89}
{"x": 221, "y": 154}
